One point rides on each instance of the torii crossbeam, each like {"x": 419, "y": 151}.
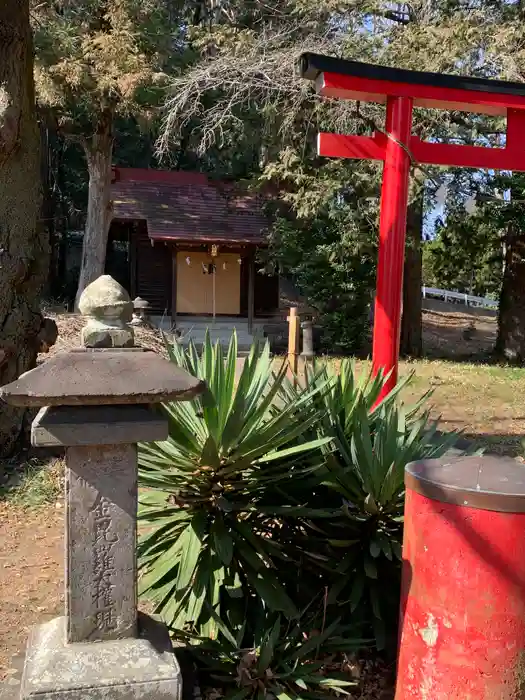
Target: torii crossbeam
{"x": 401, "y": 91}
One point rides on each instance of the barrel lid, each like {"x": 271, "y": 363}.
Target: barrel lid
{"x": 487, "y": 483}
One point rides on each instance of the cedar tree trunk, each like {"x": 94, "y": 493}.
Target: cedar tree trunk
{"x": 411, "y": 323}
{"x": 510, "y": 343}
{"x": 99, "y": 152}
{"x": 23, "y": 246}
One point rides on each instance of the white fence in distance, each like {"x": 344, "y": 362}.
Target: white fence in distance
{"x": 467, "y": 299}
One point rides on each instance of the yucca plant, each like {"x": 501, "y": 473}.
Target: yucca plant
{"x": 284, "y": 660}
{"x": 363, "y": 477}
{"x": 211, "y": 495}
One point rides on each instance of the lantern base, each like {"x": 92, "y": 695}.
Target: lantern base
{"x": 122, "y": 669}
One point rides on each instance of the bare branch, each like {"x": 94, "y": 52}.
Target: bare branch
{"x": 262, "y": 77}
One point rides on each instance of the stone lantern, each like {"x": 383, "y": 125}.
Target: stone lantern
{"x": 98, "y": 402}
{"x": 141, "y": 310}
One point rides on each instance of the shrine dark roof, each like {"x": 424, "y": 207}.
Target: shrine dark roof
{"x": 187, "y": 206}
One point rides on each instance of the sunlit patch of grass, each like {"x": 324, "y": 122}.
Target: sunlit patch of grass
{"x": 485, "y": 401}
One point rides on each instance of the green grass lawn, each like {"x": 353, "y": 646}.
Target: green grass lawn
{"x": 486, "y": 401}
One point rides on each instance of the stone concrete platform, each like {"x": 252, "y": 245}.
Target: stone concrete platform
{"x": 124, "y": 669}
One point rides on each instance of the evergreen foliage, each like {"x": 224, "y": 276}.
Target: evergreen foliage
{"x": 95, "y": 61}
{"x": 235, "y": 109}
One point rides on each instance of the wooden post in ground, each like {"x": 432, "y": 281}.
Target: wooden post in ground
{"x": 293, "y": 340}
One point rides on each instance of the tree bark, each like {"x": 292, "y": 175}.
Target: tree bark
{"x": 99, "y": 152}
{"x": 23, "y": 246}
{"x": 411, "y": 343}
{"x": 510, "y": 343}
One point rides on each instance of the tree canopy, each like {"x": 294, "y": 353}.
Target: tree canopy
{"x": 97, "y": 60}
{"x": 214, "y": 80}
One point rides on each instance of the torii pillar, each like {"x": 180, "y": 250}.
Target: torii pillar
{"x": 402, "y": 90}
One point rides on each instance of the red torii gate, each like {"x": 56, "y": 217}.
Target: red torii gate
{"x": 402, "y": 90}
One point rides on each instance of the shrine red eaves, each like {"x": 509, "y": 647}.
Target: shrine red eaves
{"x": 352, "y": 80}
{"x": 365, "y": 82}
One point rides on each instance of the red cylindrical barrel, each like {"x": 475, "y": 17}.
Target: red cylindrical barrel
{"x": 463, "y": 598}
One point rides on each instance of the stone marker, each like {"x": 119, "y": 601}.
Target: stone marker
{"x": 98, "y": 404}
{"x": 308, "y": 340}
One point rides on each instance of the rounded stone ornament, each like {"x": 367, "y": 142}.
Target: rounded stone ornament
{"x": 108, "y": 309}
{"x": 106, "y": 299}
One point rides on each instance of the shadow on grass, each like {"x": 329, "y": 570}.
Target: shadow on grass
{"x": 445, "y": 354}
{"x": 502, "y": 444}
{"x": 29, "y": 481}
{"x": 465, "y": 357}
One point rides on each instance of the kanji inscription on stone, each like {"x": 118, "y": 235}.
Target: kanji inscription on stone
{"x": 101, "y": 532}
{"x": 104, "y": 539}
